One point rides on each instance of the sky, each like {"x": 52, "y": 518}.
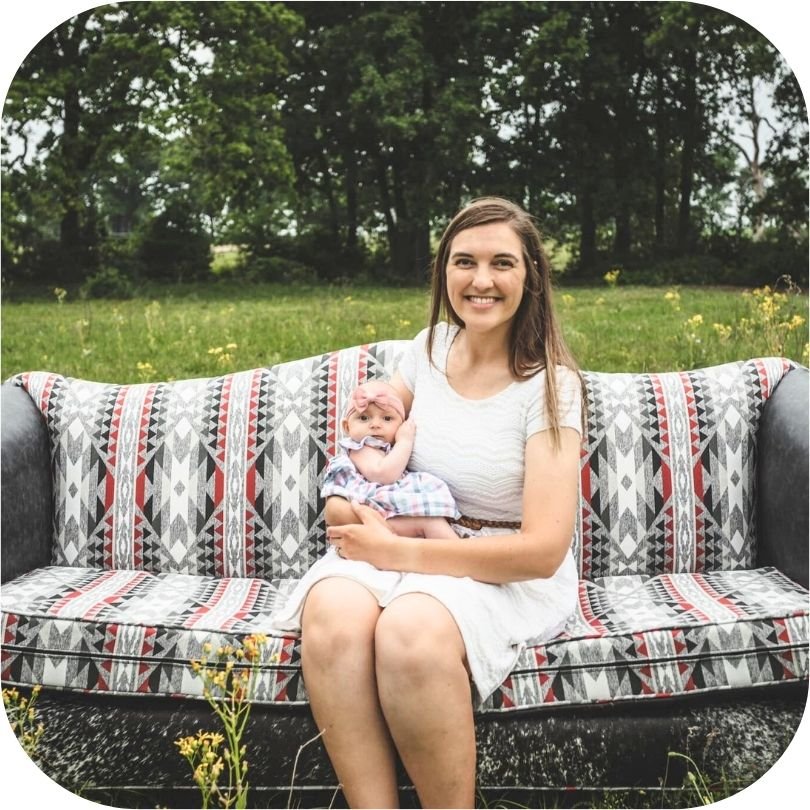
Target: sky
{"x": 22, "y": 25}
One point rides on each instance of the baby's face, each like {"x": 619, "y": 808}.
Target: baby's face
{"x": 381, "y": 423}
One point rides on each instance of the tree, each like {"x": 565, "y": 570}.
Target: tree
{"x": 75, "y": 100}
{"x": 226, "y": 157}
{"x": 392, "y": 101}
{"x": 101, "y": 85}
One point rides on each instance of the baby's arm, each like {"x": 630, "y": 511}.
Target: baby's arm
{"x": 375, "y": 466}
{"x": 416, "y": 526}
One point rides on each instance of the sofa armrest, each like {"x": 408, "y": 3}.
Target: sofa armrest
{"x": 782, "y": 482}
{"x": 27, "y": 502}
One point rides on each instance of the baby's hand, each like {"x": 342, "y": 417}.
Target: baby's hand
{"x": 406, "y": 431}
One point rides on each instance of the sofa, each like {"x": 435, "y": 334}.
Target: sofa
{"x": 141, "y": 522}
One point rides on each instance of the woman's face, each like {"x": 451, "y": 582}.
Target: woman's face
{"x": 485, "y": 277}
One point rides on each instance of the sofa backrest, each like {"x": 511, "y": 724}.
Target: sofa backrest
{"x": 220, "y": 476}
{"x": 667, "y": 473}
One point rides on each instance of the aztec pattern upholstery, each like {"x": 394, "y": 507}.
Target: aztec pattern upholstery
{"x": 633, "y": 637}
{"x": 186, "y": 511}
{"x": 667, "y": 475}
{"x": 219, "y": 477}
{"x": 216, "y": 477}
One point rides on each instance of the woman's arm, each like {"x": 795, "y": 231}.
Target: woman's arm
{"x": 537, "y": 550}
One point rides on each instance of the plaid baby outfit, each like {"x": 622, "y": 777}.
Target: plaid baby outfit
{"x": 414, "y": 494}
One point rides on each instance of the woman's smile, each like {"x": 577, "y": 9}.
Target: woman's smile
{"x": 483, "y": 301}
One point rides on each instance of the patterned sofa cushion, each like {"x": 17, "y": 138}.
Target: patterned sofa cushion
{"x": 632, "y": 638}
{"x": 667, "y": 478}
{"x": 219, "y": 477}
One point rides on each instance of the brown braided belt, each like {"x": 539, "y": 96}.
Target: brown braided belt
{"x": 476, "y": 524}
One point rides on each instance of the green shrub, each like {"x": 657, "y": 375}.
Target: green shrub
{"x": 173, "y": 246}
{"x": 121, "y": 252}
{"x": 109, "y": 282}
{"x": 278, "y": 269}
{"x": 47, "y": 260}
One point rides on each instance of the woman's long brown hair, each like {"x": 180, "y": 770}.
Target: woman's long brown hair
{"x": 535, "y": 339}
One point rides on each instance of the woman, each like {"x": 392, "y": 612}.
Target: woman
{"x": 399, "y": 642}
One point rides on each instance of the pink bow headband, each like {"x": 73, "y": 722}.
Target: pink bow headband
{"x": 361, "y": 399}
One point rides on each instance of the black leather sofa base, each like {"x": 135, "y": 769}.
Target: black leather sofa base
{"x": 120, "y": 750}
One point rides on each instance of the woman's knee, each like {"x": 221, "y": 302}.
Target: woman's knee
{"x": 339, "y": 617}
{"x": 416, "y": 637}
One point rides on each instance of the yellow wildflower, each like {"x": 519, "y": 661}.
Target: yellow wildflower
{"x": 794, "y": 323}
{"x": 612, "y": 277}
{"x": 187, "y": 746}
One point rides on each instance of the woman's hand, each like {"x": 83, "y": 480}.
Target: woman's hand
{"x": 369, "y": 540}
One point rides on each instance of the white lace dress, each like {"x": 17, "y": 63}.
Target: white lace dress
{"x": 477, "y": 448}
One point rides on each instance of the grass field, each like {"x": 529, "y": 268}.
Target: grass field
{"x": 202, "y": 330}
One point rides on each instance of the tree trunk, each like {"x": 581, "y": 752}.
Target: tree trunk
{"x": 391, "y": 222}
{"x": 660, "y": 161}
{"x": 351, "y": 200}
{"x": 70, "y": 225}
{"x": 75, "y": 249}
{"x": 421, "y": 252}
{"x": 690, "y": 140}
{"x": 334, "y": 224}
{"x": 587, "y": 233}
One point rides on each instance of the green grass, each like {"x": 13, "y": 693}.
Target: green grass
{"x": 173, "y": 332}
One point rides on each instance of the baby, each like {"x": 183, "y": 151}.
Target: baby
{"x": 378, "y": 443}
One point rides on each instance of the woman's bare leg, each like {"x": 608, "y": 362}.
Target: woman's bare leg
{"x": 337, "y": 655}
{"x": 425, "y": 694}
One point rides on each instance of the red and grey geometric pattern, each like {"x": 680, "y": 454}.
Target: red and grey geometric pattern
{"x": 124, "y": 632}
{"x": 635, "y": 638}
{"x": 667, "y": 472}
{"x": 216, "y": 477}
{"x": 220, "y": 476}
